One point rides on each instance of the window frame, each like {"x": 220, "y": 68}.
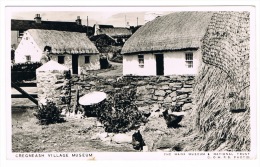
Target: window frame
{"x": 20, "y": 33}
{"x": 28, "y": 56}
{"x": 141, "y": 60}
{"x": 87, "y": 59}
{"x": 189, "y": 59}
{"x": 63, "y": 59}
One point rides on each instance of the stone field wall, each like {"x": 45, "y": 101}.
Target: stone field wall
{"x": 55, "y": 85}
{"x": 159, "y": 91}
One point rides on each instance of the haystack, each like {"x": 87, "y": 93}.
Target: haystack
{"x": 222, "y": 85}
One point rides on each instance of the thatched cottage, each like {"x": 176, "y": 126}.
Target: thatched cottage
{"x": 72, "y": 49}
{"x": 168, "y": 45}
{"x": 120, "y": 34}
{"x": 18, "y": 27}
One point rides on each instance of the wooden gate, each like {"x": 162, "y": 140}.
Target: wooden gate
{"x": 24, "y": 94}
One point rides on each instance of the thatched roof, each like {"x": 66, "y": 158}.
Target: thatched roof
{"x": 50, "y": 25}
{"x": 101, "y": 36}
{"x": 63, "y": 41}
{"x": 175, "y": 31}
{"x": 116, "y": 31}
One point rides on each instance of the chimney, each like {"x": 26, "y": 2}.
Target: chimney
{"x": 78, "y": 21}
{"x": 127, "y": 25}
{"x": 37, "y": 18}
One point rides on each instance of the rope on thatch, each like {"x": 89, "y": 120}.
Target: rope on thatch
{"x": 225, "y": 69}
{"x": 226, "y": 45}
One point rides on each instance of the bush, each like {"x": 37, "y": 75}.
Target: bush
{"x": 119, "y": 113}
{"x": 49, "y": 114}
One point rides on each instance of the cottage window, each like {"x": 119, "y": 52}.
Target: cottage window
{"x": 28, "y": 58}
{"x": 20, "y": 33}
{"x": 61, "y": 59}
{"x": 87, "y": 59}
{"x": 189, "y": 60}
{"x": 141, "y": 61}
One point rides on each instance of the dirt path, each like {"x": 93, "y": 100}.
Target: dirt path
{"x": 117, "y": 70}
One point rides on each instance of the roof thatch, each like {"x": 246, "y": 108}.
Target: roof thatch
{"x": 175, "y": 31}
{"x": 116, "y": 31}
{"x": 101, "y": 36}
{"x": 50, "y": 25}
{"x": 63, "y": 41}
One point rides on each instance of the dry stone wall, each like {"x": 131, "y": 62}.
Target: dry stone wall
{"x": 153, "y": 92}
{"x": 160, "y": 91}
{"x": 54, "y": 82}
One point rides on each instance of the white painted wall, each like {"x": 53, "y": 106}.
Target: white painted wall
{"x": 27, "y": 46}
{"x": 174, "y": 64}
{"x": 93, "y": 65}
{"x": 131, "y": 65}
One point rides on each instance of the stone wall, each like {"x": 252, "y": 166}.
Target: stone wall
{"x": 154, "y": 92}
{"x": 160, "y": 91}
{"x": 54, "y": 82}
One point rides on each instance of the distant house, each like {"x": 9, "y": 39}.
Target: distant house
{"x": 102, "y": 40}
{"x": 120, "y": 34}
{"x": 167, "y": 45}
{"x": 18, "y": 27}
{"x": 72, "y": 49}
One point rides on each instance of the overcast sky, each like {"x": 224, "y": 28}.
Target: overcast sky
{"x": 112, "y": 17}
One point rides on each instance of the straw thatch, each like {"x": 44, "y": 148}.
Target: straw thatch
{"x": 63, "y": 41}
{"x": 219, "y": 127}
{"x": 178, "y": 30}
{"x": 115, "y": 32}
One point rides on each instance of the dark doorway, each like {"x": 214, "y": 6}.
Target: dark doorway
{"x": 75, "y": 64}
{"x": 159, "y": 64}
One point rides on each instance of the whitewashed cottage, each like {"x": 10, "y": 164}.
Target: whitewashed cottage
{"x": 72, "y": 49}
{"x": 167, "y": 45}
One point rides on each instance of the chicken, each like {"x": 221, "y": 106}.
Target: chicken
{"x": 137, "y": 141}
{"x": 172, "y": 119}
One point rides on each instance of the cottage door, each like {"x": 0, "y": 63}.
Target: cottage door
{"x": 159, "y": 64}
{"x": 75, "y": 64}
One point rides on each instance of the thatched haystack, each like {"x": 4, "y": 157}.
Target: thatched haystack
{"x": 222, "y": 122}
{"x": 63, "y": 41}
{"x": 175, "y": 31}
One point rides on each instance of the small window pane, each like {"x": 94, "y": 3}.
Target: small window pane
{"x": 189, "y": 60}
{"x": 87, "y": 59}
{"x": 28, "y": 58}
{"x": 141, "y": 61}
{"x": 61, "y": 59}
{"x": 20, "y": 33}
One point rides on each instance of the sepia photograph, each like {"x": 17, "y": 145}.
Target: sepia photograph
{"x": 95, "y": 82}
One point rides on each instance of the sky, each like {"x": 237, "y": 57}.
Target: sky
{"x": 116, "y": 17}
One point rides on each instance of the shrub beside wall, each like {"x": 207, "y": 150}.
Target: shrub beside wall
{"x": 165, "y": 91}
